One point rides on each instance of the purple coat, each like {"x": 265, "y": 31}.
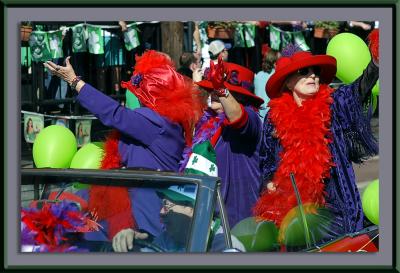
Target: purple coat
{"x": 147, "y": 140}
{"x": 352, "y": 142}
{"x": 238, "y": 162}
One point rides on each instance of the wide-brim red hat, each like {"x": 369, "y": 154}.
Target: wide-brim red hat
{"x": 239, "y": 80}
{"x": 288, "y": 65}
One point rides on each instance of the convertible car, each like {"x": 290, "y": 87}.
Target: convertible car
{"x": 55, "y": 217}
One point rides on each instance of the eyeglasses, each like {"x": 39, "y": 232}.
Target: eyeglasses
{"x": 167, "y": 205}
{"x": 311, "y": 69}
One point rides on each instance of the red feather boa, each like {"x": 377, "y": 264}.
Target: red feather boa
{"x": 304, "y": 135}
{"x": 373, "y": 44}
{"x": 112, "y": 203}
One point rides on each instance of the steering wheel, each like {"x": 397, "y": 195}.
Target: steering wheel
{"x": 153, "y": 246}
{"x": 107, "y": 246}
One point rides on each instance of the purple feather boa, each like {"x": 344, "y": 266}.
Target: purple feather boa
{"x": 202, "y": 133}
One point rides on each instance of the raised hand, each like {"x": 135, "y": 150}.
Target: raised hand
{"x": 65, "y": 73}
{"x": 373, "y": 44}
{"x": 217, "y": 74}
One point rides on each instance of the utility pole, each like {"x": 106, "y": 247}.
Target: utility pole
{"x": 172, "y": 39}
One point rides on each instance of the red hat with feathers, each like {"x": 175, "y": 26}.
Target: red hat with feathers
{"x": 159, "y": 87}
{"x": 294, "y": 59}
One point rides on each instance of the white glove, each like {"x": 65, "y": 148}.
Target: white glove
{"x": 123, "y": 240}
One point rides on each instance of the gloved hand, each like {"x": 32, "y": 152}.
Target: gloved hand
{"x": 373, "y": 44}
{"x": 123, "y": 240}
{"x": 217, "y": 74}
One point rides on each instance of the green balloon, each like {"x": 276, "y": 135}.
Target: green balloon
{"x": 294, "y": 234}
{"x": 88, "y": 156}
{"x": 54, "y": 147}
{"x": 370, "y": 201}
{"x": 132, "y": 101}
{"x": 375, "y": 89}
{"x": 352, "y": 56}
{"x": 256, "y": 236}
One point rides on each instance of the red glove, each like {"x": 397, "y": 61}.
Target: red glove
{"x": 373, "y": 43}
{"x": 217, "y": 74}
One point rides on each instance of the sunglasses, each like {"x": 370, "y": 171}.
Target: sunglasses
{"x": 309, "y": 70}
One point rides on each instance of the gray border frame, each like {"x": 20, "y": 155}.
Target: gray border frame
{"x": 14, "y": 15}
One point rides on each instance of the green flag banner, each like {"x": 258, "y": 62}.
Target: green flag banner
{"x": 39, "y": 44}
{"x": 203, "y": 33}
{"x": 249, "y": 34}
{"x": 79, "y": 38}
{"x": 96, "y": 42}
{"x": 286, "y": 38}
{"x": 55, "y": 42}
{"x": 131, "y": 37}
{"x": 274, "y": 37}
{"x": 239, "y": 38}
{"x": 300, "y": 41}
{"x": 244, "y": 35}
{"x": 280, "y": 39}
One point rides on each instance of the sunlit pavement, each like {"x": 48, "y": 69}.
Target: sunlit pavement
{"x": 369, "y": 170}
{"x": 366, "y": 172}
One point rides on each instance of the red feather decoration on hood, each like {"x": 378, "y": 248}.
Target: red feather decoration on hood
{"x": 112, "y": 203}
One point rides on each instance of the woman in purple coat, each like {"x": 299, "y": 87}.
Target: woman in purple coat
{"x": 152, "y": 136}
{"x": 316, "y": 133}
{"x": 233, "y": 126}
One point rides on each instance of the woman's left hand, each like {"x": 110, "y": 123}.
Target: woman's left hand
{"x": 65, "y": 73}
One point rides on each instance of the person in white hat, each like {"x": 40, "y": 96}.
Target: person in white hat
{"x": 215, "y": 49}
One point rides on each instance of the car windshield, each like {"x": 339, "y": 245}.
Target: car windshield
{"x": 63, "y": 216}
